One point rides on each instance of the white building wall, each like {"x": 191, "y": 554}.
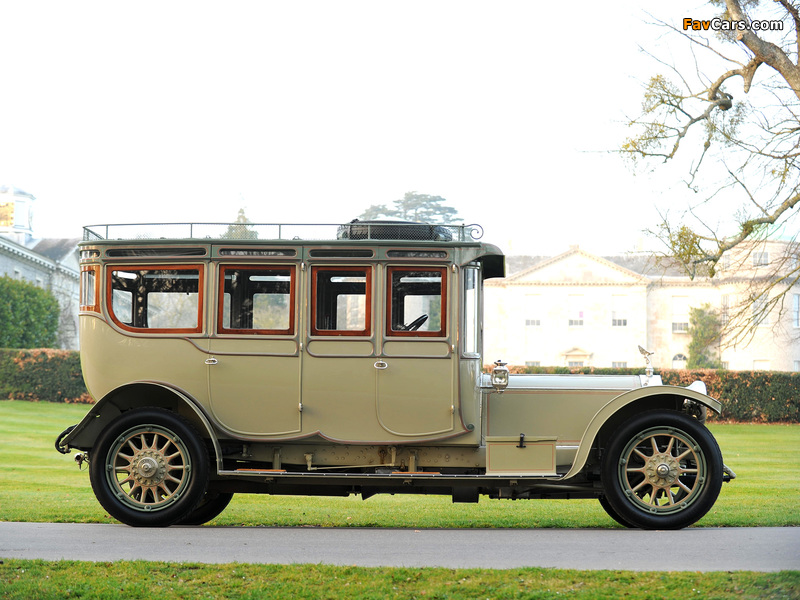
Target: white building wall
{"x": 527, "y": 316}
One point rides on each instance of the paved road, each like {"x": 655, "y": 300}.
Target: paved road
{"x": 696, "y": 549}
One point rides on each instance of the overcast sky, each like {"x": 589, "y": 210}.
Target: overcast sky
{"x": 117, "y": 112}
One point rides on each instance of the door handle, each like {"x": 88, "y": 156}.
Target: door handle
{"x": 211, "y": 361}
{"x": 381, "y": 365}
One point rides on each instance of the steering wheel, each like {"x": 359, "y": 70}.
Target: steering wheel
{"x": 416, "y": 323}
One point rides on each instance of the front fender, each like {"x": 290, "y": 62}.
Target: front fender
{"x": 83, "y": 435}
{"x": 639, "y": 395}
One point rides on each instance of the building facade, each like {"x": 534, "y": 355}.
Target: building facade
{"x": 578, "y": 309}
{"x": 51, "y": 264}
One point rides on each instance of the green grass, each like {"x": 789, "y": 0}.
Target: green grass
{"x": 25, "y": 580}
{"x": 38, "y": 484}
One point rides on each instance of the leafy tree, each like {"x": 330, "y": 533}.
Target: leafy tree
{"x": 731, "y": 113}
{"x": 705, "y": 330}
{"x": 28, "y": 315}
{"x": 240, "y": 229}
{"x": 413, "y": 207}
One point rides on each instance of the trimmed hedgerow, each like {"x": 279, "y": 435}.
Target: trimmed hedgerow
{"x": 750, "y": 396}
{"x": 42, "y": 374}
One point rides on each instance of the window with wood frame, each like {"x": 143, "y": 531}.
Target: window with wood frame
{"x": 341, "y": 300}
{"x": 156, "y": 299}
{"x": 90, "y": 300}
{"x": 417, "y": 297}
{"x": 256, "y": 300}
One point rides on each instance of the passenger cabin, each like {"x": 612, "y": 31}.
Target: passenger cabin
{"x": 369, "y": 336}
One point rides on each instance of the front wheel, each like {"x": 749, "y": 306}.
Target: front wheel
{"x": 662, "y": 470}
{"x": 149, "y": 468}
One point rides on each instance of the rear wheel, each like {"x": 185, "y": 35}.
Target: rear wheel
{"x": 662, "y": 470}
{"x": 149, "y": 468}
{"x": 212, "y": 504}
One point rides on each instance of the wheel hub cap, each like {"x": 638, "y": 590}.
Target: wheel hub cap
{"x": 662, "y": 470}
{"x": 149, "y": 468}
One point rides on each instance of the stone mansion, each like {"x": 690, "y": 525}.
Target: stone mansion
{"x": 578, "y": 309}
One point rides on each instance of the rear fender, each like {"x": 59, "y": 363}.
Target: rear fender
{"x": 137, "y": 395}
{"x": 625, "y": 405}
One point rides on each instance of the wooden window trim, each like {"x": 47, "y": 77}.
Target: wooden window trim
{"x": 158, "y": 267}
{"x": 367, "y": 331}
{"x": 442, "y": 332}
{"x": 292, "y": 298}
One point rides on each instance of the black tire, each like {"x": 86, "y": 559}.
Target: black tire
{"x": 212, "y": 504}
{"x": 149, "y": 468}
{"x": 612, "y": 513}
{"x": 662, "y": 470}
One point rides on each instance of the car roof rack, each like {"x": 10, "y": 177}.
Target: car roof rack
{"x": 353, "y": 231}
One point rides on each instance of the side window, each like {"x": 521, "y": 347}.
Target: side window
{"x": 341, "y": 300}
{"x": 472, "y": 325}
{"x": 88, "y": 289}
{"x": 257, "y": 300}
{"x": 417, "y": 301}
{"x": 157, "y": 298}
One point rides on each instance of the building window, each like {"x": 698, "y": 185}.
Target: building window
{"x": 761, "y": 365}
{"x": 17, "y": 274}
{"x": 576, "y": 311}
{"x": 533, "y": 307}
{"x": 725, "y": 310}
{"x": 761, "y": 310}
{"x": 760, "y": 259}
{"x": 796, "y": 310}
{"x": 679, "y": 361}
{"x": 619, "y": 364}
{"x": 619, "y": 311}
{"x": 726, "y": 365}
{"x": 533, "y": 363}
{"x": 680, "y": 314}
{"x": 797, "y": 365}
{"x": 575, "y": 363}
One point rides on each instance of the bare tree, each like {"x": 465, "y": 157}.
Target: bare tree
{"x": 729, "y": 114}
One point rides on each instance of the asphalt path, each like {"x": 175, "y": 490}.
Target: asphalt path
{"x": 693, "y": 549}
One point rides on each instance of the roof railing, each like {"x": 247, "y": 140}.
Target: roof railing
{"x": 355, "y": 230}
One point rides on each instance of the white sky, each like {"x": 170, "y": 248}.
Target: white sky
{"x": 299, "y": 111}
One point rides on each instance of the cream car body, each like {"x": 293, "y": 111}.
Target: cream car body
{"x": 292, "y": 365}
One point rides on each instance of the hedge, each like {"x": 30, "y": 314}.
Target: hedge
{"x": 42, "y": 374}
{"x": 750, "y": 396}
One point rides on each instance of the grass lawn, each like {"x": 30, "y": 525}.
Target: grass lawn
{"x": 27, "y": 580}
{"x": 38, "y": 484}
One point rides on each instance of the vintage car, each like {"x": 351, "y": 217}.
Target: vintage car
{"x": 347, "y": 359}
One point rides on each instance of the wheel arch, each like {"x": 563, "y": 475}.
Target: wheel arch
{"x": 140, "y": 395}
{"x": 623, "y": 407}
